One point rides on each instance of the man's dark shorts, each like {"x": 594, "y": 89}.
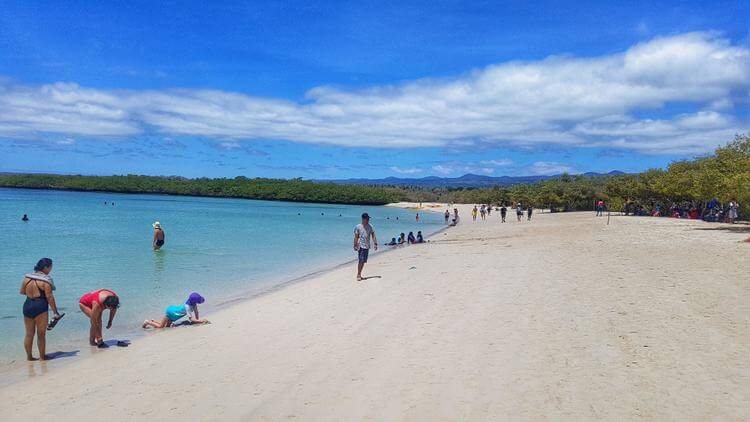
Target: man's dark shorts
{"x": 363, "y": 254}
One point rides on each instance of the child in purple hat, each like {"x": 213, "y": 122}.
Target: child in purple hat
{"x": 174, "y": 313}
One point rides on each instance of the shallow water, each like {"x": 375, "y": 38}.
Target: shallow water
{"x": 222, "y": 248}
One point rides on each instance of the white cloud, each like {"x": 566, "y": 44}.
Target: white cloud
{"x": 549, "y": 168}
{"x": 560, "y": 100}
{"x": 497, "y": 163}
{"x": 457, "y": 168}
{"x": 410, "y": 170}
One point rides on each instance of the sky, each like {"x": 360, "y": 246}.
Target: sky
{"x": 368, "y": 89}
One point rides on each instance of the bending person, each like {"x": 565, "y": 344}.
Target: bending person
{"x": 177, "y": 312}
{"x": 39, "y": 298}
{"x": 93, "y": 305}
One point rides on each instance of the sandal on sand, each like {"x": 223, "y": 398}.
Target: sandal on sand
{"x": 54, "y": 321}
{"x": 102, "y": 345}
{"x": 123, "y": 343}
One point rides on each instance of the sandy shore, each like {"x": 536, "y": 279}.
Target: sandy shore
{"x": 563, "y": 318}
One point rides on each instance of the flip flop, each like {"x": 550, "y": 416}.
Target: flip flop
{"x": 102, "y": 345}
{"x": 54, "y": 321}
{"x": 123, "y": 343}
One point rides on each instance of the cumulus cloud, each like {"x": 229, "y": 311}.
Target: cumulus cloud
{"x": 569, "y": 101}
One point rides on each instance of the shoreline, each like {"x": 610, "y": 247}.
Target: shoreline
{"x": 137, "y": 334}
{"x": 587, "y": 322}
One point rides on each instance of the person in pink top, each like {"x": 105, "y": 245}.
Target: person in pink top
{"x": 93, "y": 305}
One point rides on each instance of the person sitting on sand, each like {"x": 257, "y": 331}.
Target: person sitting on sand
{"x": 93, "y": 305}
{"x": 39, "y": 298}
{"x": 411, "y": 239}
{"x": 420, "y": 239}
{"x": 158, "y": 236}
{"x": 174, "y": 313}
{"x": 401, "y": 239}
{"x": 392, "y": 242}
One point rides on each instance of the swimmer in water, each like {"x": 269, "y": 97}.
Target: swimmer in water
{"x": 158, "y": 241}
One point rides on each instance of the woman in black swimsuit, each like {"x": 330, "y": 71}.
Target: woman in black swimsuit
{"x": 39, "y": 298}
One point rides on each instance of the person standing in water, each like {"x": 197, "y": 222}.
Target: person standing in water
{"x": 158, "y": 241}
{"x": 39, "y": 298}
{"x": 25, "y": 218}
{"x": 362, "y": 234}
{"x": 418, "y": 217}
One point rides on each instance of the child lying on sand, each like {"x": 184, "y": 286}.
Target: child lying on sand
{"x": 174, "y": 313}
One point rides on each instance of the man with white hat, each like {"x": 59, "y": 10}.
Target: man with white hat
{"x": 158, "y": 236}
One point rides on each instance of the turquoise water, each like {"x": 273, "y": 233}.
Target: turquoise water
{"x": 222, "y": 248}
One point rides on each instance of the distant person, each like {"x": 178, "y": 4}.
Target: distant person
{"x": 474, "y": 213}
{"x": 25, "y": 218}
{"x": 447, "y": 216}
{"x": 93, "y": 304}
{"x": 411, "y": 239}
{"x": 733, "y": 211}
{"x": 503, "y": 213}
{"x": 489, "y": 210}
{"x": 39, "y": 298}
{"x": 600, "y": 208}
{"x": 418, "y": 216}
{"x": 483, "y": 212}
{"x": 158, "y": 236}
{"x": 519, "y": 211}
{"x": 529, "y": 212}
{"x": 420, "y": 239}
{"x": 362, "y": 234}
{"x": 174, "y": 313}
{"x": 455, "y": 217}
{"x": 392, "y": 242}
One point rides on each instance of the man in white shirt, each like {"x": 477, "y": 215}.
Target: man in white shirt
{"x": 362, "y": 234}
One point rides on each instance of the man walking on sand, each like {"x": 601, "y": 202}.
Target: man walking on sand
{"x": 362, "y": 234}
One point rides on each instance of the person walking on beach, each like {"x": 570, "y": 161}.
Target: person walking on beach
{"x": 600, "y": 208}
{"x": 158, "y": 241}
{"x": 93, "y": 305}
{"x": 503, "y": 213}
{"x": 483, "y": 212}
{"x": 37, "y": 288}
{"x": 519, "y": 211}
{"x": 529, "y": 211}
{"x": 362, "y": 234}
{"x": 474, "y": 213}
{"x": 447, "y": 216}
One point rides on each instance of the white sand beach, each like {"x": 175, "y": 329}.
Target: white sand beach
{"x": 560, "y": 318}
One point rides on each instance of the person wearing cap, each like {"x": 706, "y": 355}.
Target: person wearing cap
{"x": 158, "y": 236}
{"x": 174, "y": 313}
{"x": 362, "y": 234}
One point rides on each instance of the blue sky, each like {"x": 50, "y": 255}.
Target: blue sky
{"x": 366, "y": 89}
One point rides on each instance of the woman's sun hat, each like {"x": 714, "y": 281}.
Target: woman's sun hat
{"x": 156, "y": 225}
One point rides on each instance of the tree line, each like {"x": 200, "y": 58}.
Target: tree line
{"x": 724, "y": 175}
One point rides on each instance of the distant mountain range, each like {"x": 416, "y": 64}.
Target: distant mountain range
{"x": 465, "y": 181}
